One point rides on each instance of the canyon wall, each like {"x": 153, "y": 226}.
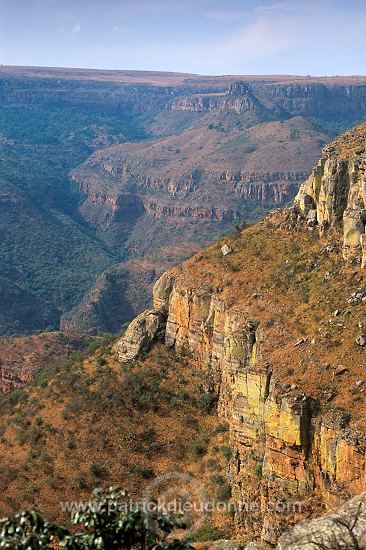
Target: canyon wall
{"x": 283, "y": 452}
{"x": 287, "y": 461}
{"x": 336, "y": 192}
{"x": 310, "y": 99}
{"x": 319, "y": 99}
{"x": 294, "y": 453}
{"x": 102, "y": 209}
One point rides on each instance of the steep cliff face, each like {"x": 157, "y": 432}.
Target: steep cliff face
{"x": 271, "y": 326}
{"x": 283, "y": 452}
{"x": 336, "y": 191}
{"x": 196, "y": 104}
{"x": 239, "y": 98}
{"x": 314, "y": 99}
{"x": 305, "y": 99}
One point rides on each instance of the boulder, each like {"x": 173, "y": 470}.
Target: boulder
{"x": 311, "y": 218}
{"x": 226, "y": 249}
{"x": 345, "y": 528}
{"x": 361, "y": 340}
{"x": 140, "y": 334}
{"x": 162, "y": 290}
{"x": 227, "y": 545}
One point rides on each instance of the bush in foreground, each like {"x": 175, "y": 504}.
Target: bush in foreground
{"x": 106, "y": 524}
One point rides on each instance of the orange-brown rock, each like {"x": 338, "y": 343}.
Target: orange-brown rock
{"x": 336, "y": 190}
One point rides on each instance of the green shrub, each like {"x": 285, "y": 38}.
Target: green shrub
{"x": 207, "y": 402}
{"x": 217, "y": 478}
{"x": 206, "y": 532}
{"x": 258, "y": 470}
{"x": 103, "y": 525}
{"x": 197, "y": 447}
{"x": 223, "y": 492}
{"x": 95, "y": 469}
{"x": 80, "y": 481}
{"x": 147, "y": 473}
{"x": 226, "y": 451}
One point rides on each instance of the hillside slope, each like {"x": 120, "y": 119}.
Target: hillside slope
{"x": 89, "y": 423}
{"x": 277, "y": 319}
{"x": 24, "y": 357}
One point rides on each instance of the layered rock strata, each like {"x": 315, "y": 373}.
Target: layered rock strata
{"x": 283, "y": 453}
{"x": 336, "y": 192}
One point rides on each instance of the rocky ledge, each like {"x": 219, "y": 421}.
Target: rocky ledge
{"x": 336, "y": 192}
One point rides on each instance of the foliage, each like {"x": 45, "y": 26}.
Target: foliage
{"x": 207, "y": 531}
{"x": 197, "y": 447}
{"x": 258, "y": 470}
{"x": 207, "y": 402}
{"x": 226, "y": 451}
{"x": 332, "y": 127}
{"x": 52, "y": 125}
{"x": 108, "y": 522}
{"x": 28, "y": 530}
{"x": 49, "y": 255}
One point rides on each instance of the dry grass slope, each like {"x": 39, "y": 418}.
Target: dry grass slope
{"x": 91, "y": 423}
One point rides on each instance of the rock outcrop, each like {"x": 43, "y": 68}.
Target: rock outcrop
{"x": 196, "y": 104}
{"x": 281, "y": 450}
{"x": 240, "y": 98}
{"x": 336, "y": 191}
{"x": 140, "y": 334}
{"x": 311, "y": 99}
{"x": 306, "y": 99}
{"x": 346, "y": 528}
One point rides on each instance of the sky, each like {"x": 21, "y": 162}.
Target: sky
{"x": 315, "y": 37}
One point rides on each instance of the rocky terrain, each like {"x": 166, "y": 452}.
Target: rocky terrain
{"x": 145, "y": 168}
{"x": 267, "y": 326}
{"x": 274, "y": 315}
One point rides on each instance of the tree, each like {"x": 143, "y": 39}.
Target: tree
{"x": 109, "y": 521}
{"x": 28, "y": 530}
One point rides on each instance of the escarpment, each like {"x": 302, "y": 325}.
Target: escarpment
{"x": 336, "y": 191}
{"x": 309, "y": 98}
{"x": 204, "y": 173}
{"x": 274, "y": 322}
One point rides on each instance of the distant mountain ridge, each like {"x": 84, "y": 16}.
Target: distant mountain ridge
{"x": 142, "y": 166}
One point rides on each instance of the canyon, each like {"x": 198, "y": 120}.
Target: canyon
{"x": 267, "y": 323}
{"x": 109, "y": 154}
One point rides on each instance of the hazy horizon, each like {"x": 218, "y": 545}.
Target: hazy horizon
{"x": 208, "y": 37}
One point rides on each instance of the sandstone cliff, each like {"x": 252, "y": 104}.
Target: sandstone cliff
{"x": 274, "y": 325}
{"x": 336, "y": 191}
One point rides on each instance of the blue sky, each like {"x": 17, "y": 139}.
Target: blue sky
{"x": 321, "y": 37}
